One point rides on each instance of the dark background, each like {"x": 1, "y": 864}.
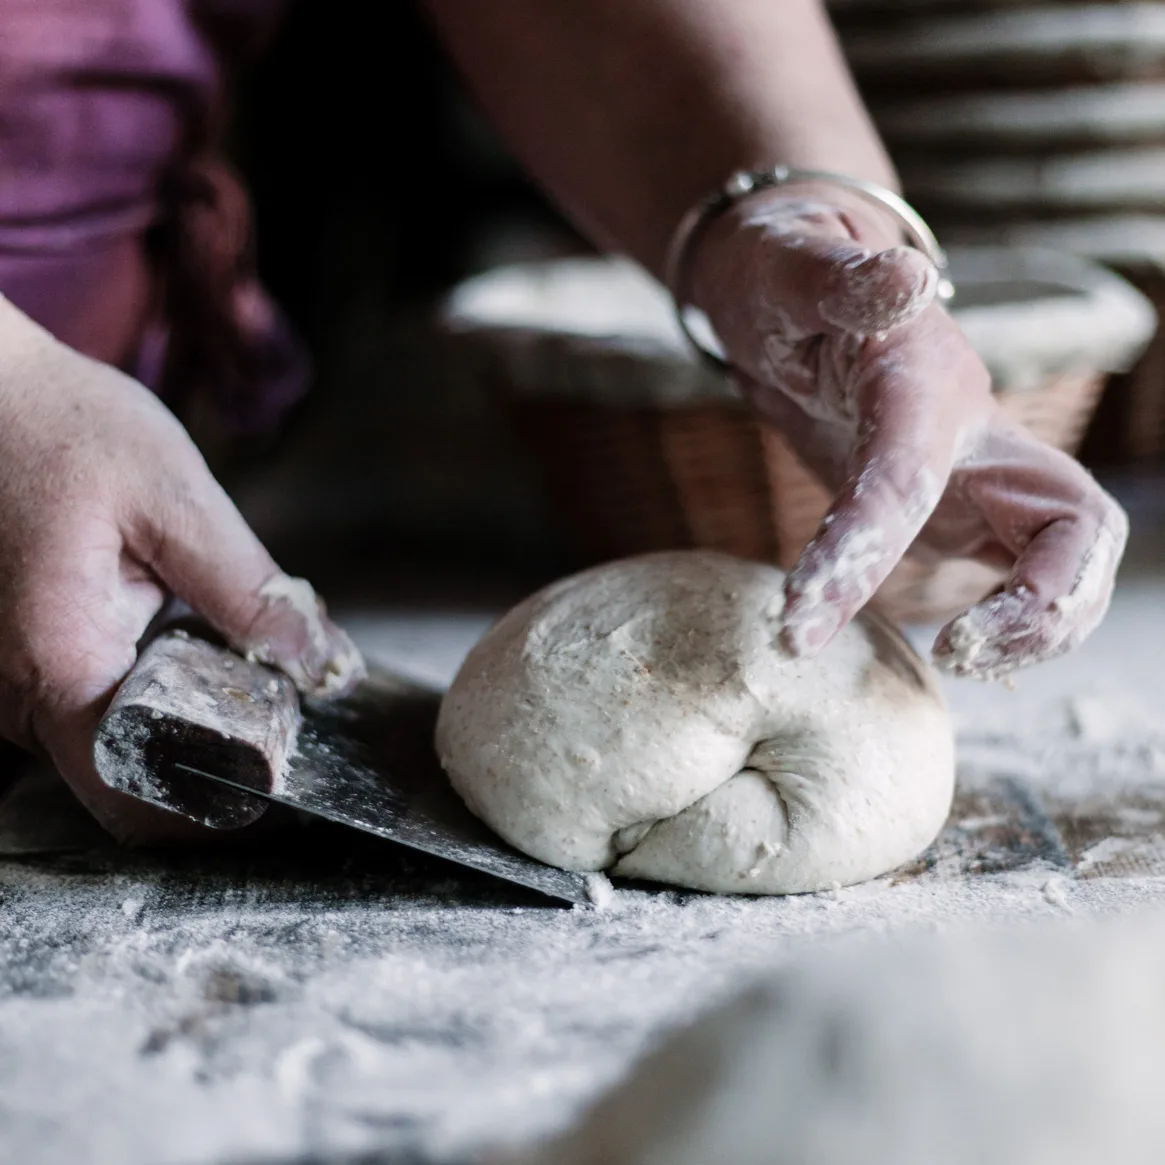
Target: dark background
{"x": 377, "y": 185}
{"x": 370, "y": 165}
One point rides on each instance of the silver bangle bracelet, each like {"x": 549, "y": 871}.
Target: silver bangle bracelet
{"x": 746, "y": 182}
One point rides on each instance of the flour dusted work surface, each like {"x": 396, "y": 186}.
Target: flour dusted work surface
{"x": 640, "y": 718}
{"x": 1037, "y": 1047}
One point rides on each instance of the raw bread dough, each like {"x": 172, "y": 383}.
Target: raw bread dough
{"x": 1044, "y": 1047}
{"x": 639, "y": 717}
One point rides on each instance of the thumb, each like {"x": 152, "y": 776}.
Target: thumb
{"x": 874, "y": 294}
{"x": 206, "y": 554}
{"x": 823, "y": 283}
{"x": 808, "y": 275}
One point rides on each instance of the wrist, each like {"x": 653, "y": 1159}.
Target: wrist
{"x": 847, "y": 257}
{"x": 803, "y": 207}
{"x": 869, "y": 225}
{"x": 726, "y": 251}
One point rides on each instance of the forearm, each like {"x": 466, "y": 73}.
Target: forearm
{"x": 627, "y": 111}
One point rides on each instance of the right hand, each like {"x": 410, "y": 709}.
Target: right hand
{"x": 106, "y": 508}
{"x": 837, "y": 341}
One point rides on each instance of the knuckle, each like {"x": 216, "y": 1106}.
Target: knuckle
{"x": 902, "y": 478}
{"x": 175, "y": 521}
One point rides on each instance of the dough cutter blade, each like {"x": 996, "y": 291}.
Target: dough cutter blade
{"x": 200, "y": 731}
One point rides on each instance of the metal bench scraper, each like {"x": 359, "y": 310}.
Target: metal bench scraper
{"x": 199, "y": 730}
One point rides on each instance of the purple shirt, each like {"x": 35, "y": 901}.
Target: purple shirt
{"x": 120, "y": 229}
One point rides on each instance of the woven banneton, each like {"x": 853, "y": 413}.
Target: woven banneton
{"x": 1129, "y": 425}
{"x": 1136, "y": 421}
{"x": 907, "y": 51}
{"x": 628, "y": 481}
{"x": 1039, "y": 122}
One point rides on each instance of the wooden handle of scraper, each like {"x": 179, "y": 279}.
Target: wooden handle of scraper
{"x": 190, "y": 703}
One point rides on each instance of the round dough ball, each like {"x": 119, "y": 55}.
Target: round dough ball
{"x": 640, "y": 718}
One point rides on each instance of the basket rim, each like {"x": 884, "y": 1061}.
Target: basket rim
{"x": 523, "y": 327}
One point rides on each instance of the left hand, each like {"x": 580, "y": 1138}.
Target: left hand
{"x": 838, "y": 341}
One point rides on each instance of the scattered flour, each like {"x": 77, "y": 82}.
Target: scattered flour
{"x": 600, "y": 891}
{"x": 254, "y": 1018}
{"x": 1109, "y": 848}
{"x": 1020, "y": 1047}
{"x": 1055, "y": 892}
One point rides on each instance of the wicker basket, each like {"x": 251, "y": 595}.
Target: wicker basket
{"x": 910, "y": 50}
{"x": 1129, "y": 429}
{"x": 1038, "y": 122}
{"x": 641, "y": 449}
{"x": 1129, "y": 426}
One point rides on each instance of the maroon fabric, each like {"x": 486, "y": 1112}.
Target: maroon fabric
{"x": 121, "y": 231}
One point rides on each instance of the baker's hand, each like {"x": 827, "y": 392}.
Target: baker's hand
{"x": 105, "y": 508}
{"x": 841, "y": 345}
